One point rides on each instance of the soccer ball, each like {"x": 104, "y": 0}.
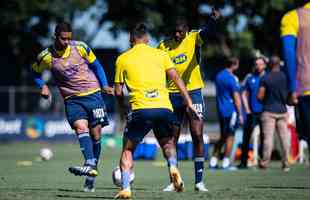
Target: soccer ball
{"x": 46, "y": 154}
{"x": 117, "y": 176}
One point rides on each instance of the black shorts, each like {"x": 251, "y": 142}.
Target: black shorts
{"x": 140, "y": 122}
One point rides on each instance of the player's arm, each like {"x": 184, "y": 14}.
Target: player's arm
{"x": 209, "y": 29}
{"x": 245, "y": 96}
{"x": 262, "y": 89}
{"x": 289, "y": 30}
{"x": 235, "y": 89}
{"x": 42, "y": 63}
{"x": 119, "y": 87}
{"x": 96, "y": 67}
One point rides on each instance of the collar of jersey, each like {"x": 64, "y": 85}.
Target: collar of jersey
{"x": 64, "y": 53}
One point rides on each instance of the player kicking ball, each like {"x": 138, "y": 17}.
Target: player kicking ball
{"x": 80, "y": 79}
{"x": 143, "y": 70}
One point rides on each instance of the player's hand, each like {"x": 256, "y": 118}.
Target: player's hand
{"x": 193, "y": 112}
{"x": 215, "y": 14}
{"x": 45, "y": 92}
{"x": 108, "y": 90}
{"x": 292, "y": 99}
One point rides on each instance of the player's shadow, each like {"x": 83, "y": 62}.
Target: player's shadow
{"x": 283, "y": 187}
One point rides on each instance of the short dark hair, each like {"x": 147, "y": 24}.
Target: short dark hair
{"x": 63, "y": 27}
{"x": 231, "y": 61}
{"x": 138, "y": 31}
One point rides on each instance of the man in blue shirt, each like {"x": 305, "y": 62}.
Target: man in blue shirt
{"x": 229, "y": 110}
{"x": 252, "y": 106}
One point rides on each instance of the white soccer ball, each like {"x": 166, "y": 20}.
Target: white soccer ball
{"x": 46, "y": 154}
{"x": 117, "y": 176}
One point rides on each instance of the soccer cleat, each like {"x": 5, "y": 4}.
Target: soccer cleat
{"x": 83, "y": 171}
{"x": 169, "y": 188}
{"x": 123, "y": 194}
{"x": 176, "y": 179}
{"x": 200, "y": 187}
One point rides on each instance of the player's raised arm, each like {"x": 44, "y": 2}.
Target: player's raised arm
{"x": 210, "y": 28}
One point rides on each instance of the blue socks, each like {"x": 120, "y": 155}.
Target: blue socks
{"x": 97, "y": 149}
{"x": 199, "y": 169}
{"x": 125, "y": 179}
{"x": 172, "y": 161}
{"x": 86, "y": 146}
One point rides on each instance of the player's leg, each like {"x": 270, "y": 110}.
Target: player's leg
{"x": 218, "y": 145}
{"x": 282, "y": 130}
{"x": 303, "y": 120}
{"x": 247, "y": 132}
{"x": 78, "y": 119}
{"x": 269, "y": 122}
{"x": 179, "y": 110}
{"x": 138, "y": 125}
{"x": 196, "y": 129}
{"x": 97, "y": 119}
{"x": 165, "y": 126}
{"x": 230, "y": 126}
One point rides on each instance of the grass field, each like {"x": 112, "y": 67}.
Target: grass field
{"x": 37, "y": 180}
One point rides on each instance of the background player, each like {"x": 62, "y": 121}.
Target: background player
{"x": 252, "y": 107}
{"x": 183, "y": 50}
{"x": 80, "y": 78}
{"x": 143, "y": 69}
{"x": 228, "y": 102}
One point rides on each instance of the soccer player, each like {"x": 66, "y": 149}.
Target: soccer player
{"x": 252, "y": 107}
{"x": 80, "y": 79}
{"x": 228, "y": 102}
{"x": 183, "y": 49}
{"x": 295, "y": 35}
{"x": 143, "y": 70}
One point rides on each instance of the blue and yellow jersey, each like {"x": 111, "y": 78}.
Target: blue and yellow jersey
{"x": 290, "y": 22}
{"x": 143, "y": 70}
{"x": 44, "y": 59}
{"x": 69, "y": 67}
{"x": 185, "y": 56}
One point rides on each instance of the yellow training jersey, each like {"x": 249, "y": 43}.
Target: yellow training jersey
{"x": 290, "y": 22}
{"x": 143, "y": 70}
{"x": 185, "y": 57}
{"x": 45, "y": 61}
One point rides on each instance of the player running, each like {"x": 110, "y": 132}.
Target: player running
{"x": 183, "y": 50}
{"x": 143, "y": 70}
{"x": 80, "y": 79}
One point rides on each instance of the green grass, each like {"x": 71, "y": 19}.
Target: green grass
{"x": 51, "y": 180}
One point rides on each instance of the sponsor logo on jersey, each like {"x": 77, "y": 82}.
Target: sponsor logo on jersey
{"x": 179, "y": 59}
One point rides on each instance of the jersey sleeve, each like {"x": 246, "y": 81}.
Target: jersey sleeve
{"x": 289, "y": 24}
{"x": 167, "y": 62}
{"x": 245, "y": 83}
{"x": 43, "y": 62}
{"x": 119, "y": 71}
{"x": 196, "y": 37}
{"x": 234, "y": 85}
{"x": 86, "y": 51}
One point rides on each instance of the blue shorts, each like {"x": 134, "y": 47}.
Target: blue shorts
{"x": 90, "y": 107}
{"x": 139, "y": 122}
{"x": 179, "y": 106}
{"x": 229, "y": 125}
